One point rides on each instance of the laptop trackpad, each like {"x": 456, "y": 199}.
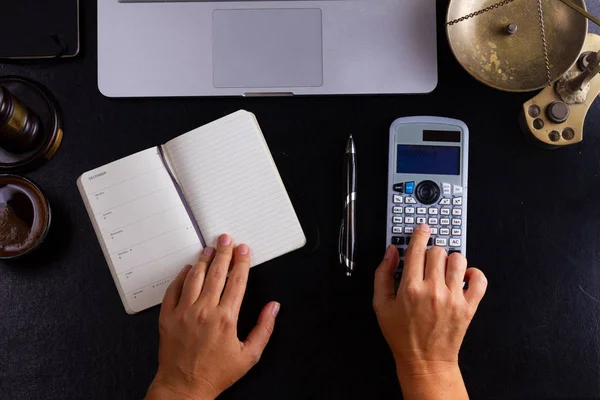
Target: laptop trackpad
{"x": 267, "y": 48}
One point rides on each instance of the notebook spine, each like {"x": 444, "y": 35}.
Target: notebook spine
{"x": 167, "y": 164}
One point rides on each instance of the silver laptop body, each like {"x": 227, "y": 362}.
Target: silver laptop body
{"x": 217, "y": 48}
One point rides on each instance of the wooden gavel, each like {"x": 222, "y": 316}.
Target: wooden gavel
{"x": 20, "y": 127}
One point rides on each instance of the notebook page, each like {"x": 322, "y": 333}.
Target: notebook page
{"x": 144, "y": 230}
{"x": 232, "y": 185}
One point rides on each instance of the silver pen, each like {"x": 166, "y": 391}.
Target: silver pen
{"x": 347, "y": 238}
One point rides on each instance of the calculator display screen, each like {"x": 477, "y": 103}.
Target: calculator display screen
{"x": 436, "y": 160}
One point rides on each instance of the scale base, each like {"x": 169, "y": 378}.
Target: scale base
{"x": 536, "y": 121}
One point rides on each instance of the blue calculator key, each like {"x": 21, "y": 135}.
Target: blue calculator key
{"x": 409, "y": 187}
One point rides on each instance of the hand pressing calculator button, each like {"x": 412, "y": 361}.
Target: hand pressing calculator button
{"x": 427, "y": 182}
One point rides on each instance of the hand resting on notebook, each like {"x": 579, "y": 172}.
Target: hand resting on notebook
{"x": 200, "y": 354}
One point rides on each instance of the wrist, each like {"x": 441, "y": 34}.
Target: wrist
{"x": 431, "y": 380}
{"x": 162, "y": 389}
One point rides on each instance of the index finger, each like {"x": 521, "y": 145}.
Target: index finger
{"x": 414, "y": 262}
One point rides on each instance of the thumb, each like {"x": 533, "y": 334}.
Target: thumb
{"x": 259, "y": 336}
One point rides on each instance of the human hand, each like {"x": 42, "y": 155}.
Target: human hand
{"x": 424, "y": 323}
{"x": 200, "y": 354}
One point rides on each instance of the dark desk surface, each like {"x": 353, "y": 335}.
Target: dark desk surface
{"x": 534, "y": 224}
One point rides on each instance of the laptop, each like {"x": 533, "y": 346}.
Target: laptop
{"x": 266, "y": 48}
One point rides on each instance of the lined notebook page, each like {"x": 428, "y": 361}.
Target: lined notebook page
{"x": 144, "y": 230}
{"x": 232, "y": 185}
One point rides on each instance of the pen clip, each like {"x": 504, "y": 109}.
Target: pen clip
{"x": 340, "y": 241}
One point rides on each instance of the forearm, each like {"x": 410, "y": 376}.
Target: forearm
{"x": 432, "y": 382}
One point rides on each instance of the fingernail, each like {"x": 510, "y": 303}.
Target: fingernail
{"x": 389, "y": 252}
{"x": 187, "y": 268}
{"x": 208, "y": 251}
{"x": 225, "y": 240}
{"x": 243, "y": 249}
{"x": 424, "y": 228}
{"x": 275, "y": 309}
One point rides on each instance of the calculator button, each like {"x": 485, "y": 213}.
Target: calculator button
{"x": 397, "y": 229}
{"x": 430, "y": 242}
{"x": 397, "y": 210}
{"x": 455, "y": 242}
{"x": 432, "y": 211}
{"x": 434, "y": 231}
{"x": 398, "y": 275}
{"x": 457, "y": 201}
{"x": 432, "y": 221}
{"x": 441, "y": 241}
{"x": 445, "y": 202}
{"x": 445, "y": 211}
{"x": 446, "y": 187}
{"x": 456, "y": 211}
{"x": 397, "y": 220}
{"x": 409, "y": 210}
{"x": 421, "y": 210}
{"x": 409, "y": 187}
{"x": 453, "y": 251}
{"x": 421, "y": 220}
{"x": 409, "y": 220}
{"x": 401, "y": 251}
{"x": 445, "y": 231}
{"x": 456, "y": 232}
{"x": 410, "y": 200}
{"x": 456, "y": 221}
{"x": 398, "y": 187}
{"x": 408, "y": 229}
{"x": 407, "y": 239}
{"x": 457, "y": 189}
{"x": 397, "y": 240}
{"x": 445, "y": 221}
{"x": 397, "y": 199}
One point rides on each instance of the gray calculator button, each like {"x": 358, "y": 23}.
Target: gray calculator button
{"x": 445, "y": 231}
{"x": 456, "y": 211}
{"x": 432, "y": 211}
{"x": 397, "y": 229}
{"x": 421, "y": 210}
{"x": 456, "y": 221}
{"x": 409, "y": 210}
{"x": 408, "y": 229}
{"x": 410, "y": 200}
{"x": 421, "y": 220}
{"x": 397, "y": 220}
{"x": 409, "y": 220}
{"x": 445, "y": 221}
{"x": 444, "y": 202}
{"x": 456, "y": 232}
{"x": 432, "y": 221}
{"x": 397, "y": 210}
{"x": 434, "y": 231}
{"x": 445, "y": 211}
{"x": 457, "y": 189}
{"x": 446, "y": 187}
{"x": 457, "y": 201}
{"x": 398, "y": 199}
{"x": 441, "y": 241}
{"x": 455, "y": 242}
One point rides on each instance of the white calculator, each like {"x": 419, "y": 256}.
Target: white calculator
{"x": 427, "y": 182}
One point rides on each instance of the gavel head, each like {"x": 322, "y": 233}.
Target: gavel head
{"x": 20, "y": 128}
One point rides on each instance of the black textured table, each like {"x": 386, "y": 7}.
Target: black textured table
{"x": 534, "y": 225}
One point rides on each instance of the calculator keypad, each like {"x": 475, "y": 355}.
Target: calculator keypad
{"x": 445, "y": 218}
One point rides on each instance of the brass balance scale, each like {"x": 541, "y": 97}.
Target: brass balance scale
{"x": 525, "y": 45}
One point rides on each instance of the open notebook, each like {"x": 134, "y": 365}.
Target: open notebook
{"x": 155, "y": 210}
